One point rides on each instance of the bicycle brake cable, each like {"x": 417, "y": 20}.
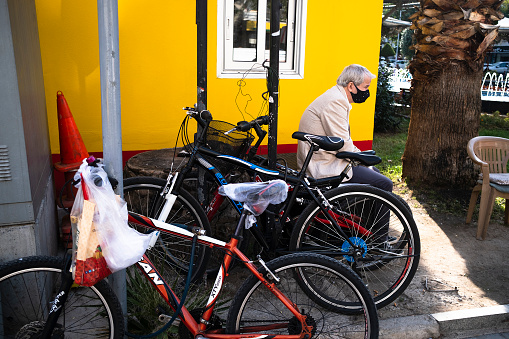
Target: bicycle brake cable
{"x": 182, "y": 300}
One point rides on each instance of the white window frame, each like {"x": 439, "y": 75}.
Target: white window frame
{"x": 296, "y": 32}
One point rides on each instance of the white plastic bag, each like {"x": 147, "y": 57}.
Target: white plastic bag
{"x": 257, "y": 195}
{"x": 121, "y": 245}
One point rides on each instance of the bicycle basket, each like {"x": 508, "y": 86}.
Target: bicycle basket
{"x": 236, "y": 143}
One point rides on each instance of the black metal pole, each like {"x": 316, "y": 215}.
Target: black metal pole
{"x": 273, "y": 87}
{"x": 273, "y": 81}
{"x": 201, "y": 25}
{"x": 201, "y": 103}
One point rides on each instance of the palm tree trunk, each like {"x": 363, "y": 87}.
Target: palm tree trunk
{"x": 452, "y": 38}
{"x": 445, "y": 115}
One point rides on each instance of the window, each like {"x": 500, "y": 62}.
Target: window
{"x": 243, "y": 42}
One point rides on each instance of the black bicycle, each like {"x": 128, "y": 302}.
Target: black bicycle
{"x": 371, "y": 230}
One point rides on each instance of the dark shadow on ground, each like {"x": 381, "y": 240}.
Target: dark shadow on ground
{"x": 486, "y": 261}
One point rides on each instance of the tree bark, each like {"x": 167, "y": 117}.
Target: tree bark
{"x": 445, "y": 116}
{"x": 452, "y": 38}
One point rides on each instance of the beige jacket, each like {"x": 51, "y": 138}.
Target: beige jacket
{"x": 327, "y": 115}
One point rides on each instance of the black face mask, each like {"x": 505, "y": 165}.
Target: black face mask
{"x": 360, "y": 96}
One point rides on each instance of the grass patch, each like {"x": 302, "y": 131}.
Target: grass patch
{"x": 494, "y": 132}
{"x": 390, "y": 147}
{"x": 495, "y": 124}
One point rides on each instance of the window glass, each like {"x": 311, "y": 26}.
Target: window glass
{"x": 244, "y": 36}
{"x": 245, "y": 23}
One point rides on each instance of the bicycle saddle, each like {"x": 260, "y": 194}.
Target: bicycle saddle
{"x": 367, "y": 158}
{"x": 256, "y": 196}
{"x": 325, "y": 142}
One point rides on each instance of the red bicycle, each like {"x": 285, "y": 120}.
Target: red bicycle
{"x": 300, "y": 295}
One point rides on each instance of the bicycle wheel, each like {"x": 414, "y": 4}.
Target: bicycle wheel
{"x": 320, "y": 286}
{"x": 29, "y": 285}
{"x": 141, "y": 195}
{"x": 375, "y": 221}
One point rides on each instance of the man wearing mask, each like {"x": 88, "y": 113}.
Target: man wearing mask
{"x": 329, "y": 115}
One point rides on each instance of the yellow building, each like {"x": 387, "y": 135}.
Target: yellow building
{"x": 158, "y": 64}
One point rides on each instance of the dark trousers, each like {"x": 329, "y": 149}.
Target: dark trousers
{"x": 370, "y": 176}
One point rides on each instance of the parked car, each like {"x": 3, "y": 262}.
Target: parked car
{"x": 499, "y": 67}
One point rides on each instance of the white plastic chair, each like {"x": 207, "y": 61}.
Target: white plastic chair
{"x": 492, "y": 154}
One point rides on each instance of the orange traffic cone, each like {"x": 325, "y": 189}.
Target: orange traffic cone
{"x": 72, "y": 153}
{"x": 72, "y": 148}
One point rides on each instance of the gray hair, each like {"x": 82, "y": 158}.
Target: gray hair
{"x": 354, "y": 73}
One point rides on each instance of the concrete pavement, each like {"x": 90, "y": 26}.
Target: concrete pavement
{"x": 480, "y": 323}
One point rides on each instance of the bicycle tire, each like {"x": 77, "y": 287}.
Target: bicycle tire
{"x": 170, "y": 252}
{"x": 27, "y": 288}
{"x": 256, "y": 305}
{"x": 387, "y": 268}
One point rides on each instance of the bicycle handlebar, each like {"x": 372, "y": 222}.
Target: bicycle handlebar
{"x": 203, "y": 118}
{"x": 244, "y": 126}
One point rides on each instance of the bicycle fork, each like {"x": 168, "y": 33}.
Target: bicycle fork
{"x": 169, "y": 198}
{"x": 57, "y": 305}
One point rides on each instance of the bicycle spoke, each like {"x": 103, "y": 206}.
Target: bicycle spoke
{"x": 27, "y": 289}
{"x": 377, "y": 237}
{"x": 332, "y": 306}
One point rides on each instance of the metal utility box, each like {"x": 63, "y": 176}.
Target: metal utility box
{"x": 27, "y": 204}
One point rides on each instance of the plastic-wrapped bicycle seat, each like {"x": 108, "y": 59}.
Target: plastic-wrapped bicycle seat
{"x": 256, "y": 196}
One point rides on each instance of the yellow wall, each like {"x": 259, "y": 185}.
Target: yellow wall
{"x": 158, "y": 67}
